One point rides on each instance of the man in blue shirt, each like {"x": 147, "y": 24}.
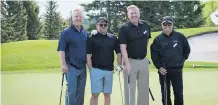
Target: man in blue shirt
{"x": 72, "y": 50}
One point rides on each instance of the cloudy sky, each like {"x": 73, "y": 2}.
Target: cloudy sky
{"x": 65, "y": 6}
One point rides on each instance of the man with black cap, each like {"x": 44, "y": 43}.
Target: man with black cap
{"x": 100, "y": 59}
{"x": 169, "y": 51}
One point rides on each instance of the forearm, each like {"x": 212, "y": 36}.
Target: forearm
{"x": 119, "y": 59}
{"x": 89, "y": 61}
{"x": 62, "y": 57}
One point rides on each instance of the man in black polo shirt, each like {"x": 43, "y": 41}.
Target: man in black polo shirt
{"x": 169, "y": 51}
{"x": 100, "y": 59}
{"x": 133, "y": 37}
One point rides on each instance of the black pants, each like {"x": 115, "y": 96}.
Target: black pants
{"x": 173, "y": 77}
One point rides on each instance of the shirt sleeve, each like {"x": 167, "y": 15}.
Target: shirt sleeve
{"x": 62, "y": 43}
{"x": 117, "y": 46}
{"x": 149, "y": 32}
{"x": 155, "y": 54}
{"x": 186, "y": 48}
{"x": 89, "y": 46}
{"x": 122, "y": 36}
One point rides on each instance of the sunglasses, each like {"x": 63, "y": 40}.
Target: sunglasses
{"x": 167, "y": 24}
{"x": 101, "y": 25}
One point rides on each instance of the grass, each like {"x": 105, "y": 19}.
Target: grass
{"x": 31, "y": 55}
{"x": 34, "y": 55}
{"x": 43, "y": 88}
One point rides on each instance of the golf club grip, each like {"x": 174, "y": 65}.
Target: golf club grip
{"x": 128, "y": 79}
{"x": 62, "y": 82}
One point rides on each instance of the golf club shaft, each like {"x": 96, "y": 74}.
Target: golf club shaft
{"x": 62, "y": 82}
{"x": 165, "y": 85}
{"x": 120, "y": 88}
{"x": 151, "y": 94}
{"x": 129, "y": 89}
{"x": 165, "y": 90}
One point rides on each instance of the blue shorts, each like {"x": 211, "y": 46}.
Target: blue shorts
{"x": 101, "y": 81}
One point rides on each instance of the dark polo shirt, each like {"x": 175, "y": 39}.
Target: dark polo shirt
{"x": 135, "y": 37}
{"x": 73, "y": 43}
{"x": 102, "y": 48}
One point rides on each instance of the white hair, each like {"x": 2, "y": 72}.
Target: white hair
{"x": 78, "y": 9}
{"x": 132, "y": 6}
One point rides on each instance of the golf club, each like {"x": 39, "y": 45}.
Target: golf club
{"x": 129, "y": 87}
{"x": 62, "y": 82}
{"x": 151, "y": 94}
{"x": 165, "y": 90}
{"x": 120, "y": 87}
{"x": 165, "y": 86}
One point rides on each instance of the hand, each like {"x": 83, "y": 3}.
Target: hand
{"x": 162, "y": 71}
{"x": 119, "y": 68}
{"x": 64, "y": 68}
{"x": 90, "y": 68}
{"x": 94, "y": 32}
{"x": 127, "y": 68}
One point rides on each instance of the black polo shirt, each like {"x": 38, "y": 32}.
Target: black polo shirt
{"x": 102, "y": 48}
{"x": 135, "y": 37}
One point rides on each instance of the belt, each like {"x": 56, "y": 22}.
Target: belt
{"x": 74, "y": 66}
{"x": 137, "y": 58}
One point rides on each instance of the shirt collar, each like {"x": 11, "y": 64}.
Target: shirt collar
{"x": 107, "y": 35}
{"x": 171, "y": 34}
{"x": 101, "y": 34}
{"x": 139, "y": 23}
{"x": 73, "y": 27}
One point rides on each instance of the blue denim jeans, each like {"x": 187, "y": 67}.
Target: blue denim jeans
{"x": 76, "y": 82}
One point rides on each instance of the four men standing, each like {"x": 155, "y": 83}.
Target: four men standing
{"x": 169, "y": 51}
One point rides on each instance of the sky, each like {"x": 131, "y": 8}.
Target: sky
{"x": 65, "y": 6}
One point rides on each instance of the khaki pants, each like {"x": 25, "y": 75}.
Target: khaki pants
{"x": 139, "y": 73}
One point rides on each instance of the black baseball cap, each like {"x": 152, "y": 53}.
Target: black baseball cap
{"x": 167, "y": 19}
{"x": 100, "y": 19}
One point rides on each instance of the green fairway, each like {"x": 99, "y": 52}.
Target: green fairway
{"x": 43, "y": 88}
{"x": 43, "y": 55}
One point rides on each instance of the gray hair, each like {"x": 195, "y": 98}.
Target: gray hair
{"x": 76, "y": 10}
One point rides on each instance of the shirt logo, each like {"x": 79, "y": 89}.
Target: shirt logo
{"x": 145, "y": 32}
{"x": 175, "y": 41}
{"x": 175, "y": 45}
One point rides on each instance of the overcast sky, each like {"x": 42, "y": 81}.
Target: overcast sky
{"x": 65, "y": 6}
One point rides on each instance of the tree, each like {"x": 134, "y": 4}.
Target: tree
{"x": 188, "y": 14}
{"x": 15, "y": 9}
{"x": 208, "y": 9}
{"x": 116, "y": 12}
{"x": 53, "y": 21}
{"x": 33, "y": 23}
{"x": 7, "y": 29}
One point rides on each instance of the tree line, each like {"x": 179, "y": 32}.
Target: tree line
{"x": 20, "y": 20}
{"x": 187, "y": 14}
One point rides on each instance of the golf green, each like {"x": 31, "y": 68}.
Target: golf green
{"x": 43, "y": 88}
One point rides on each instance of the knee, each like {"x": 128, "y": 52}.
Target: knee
{"x": 106, "y": 96}
{"x": 95, "y": 96}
